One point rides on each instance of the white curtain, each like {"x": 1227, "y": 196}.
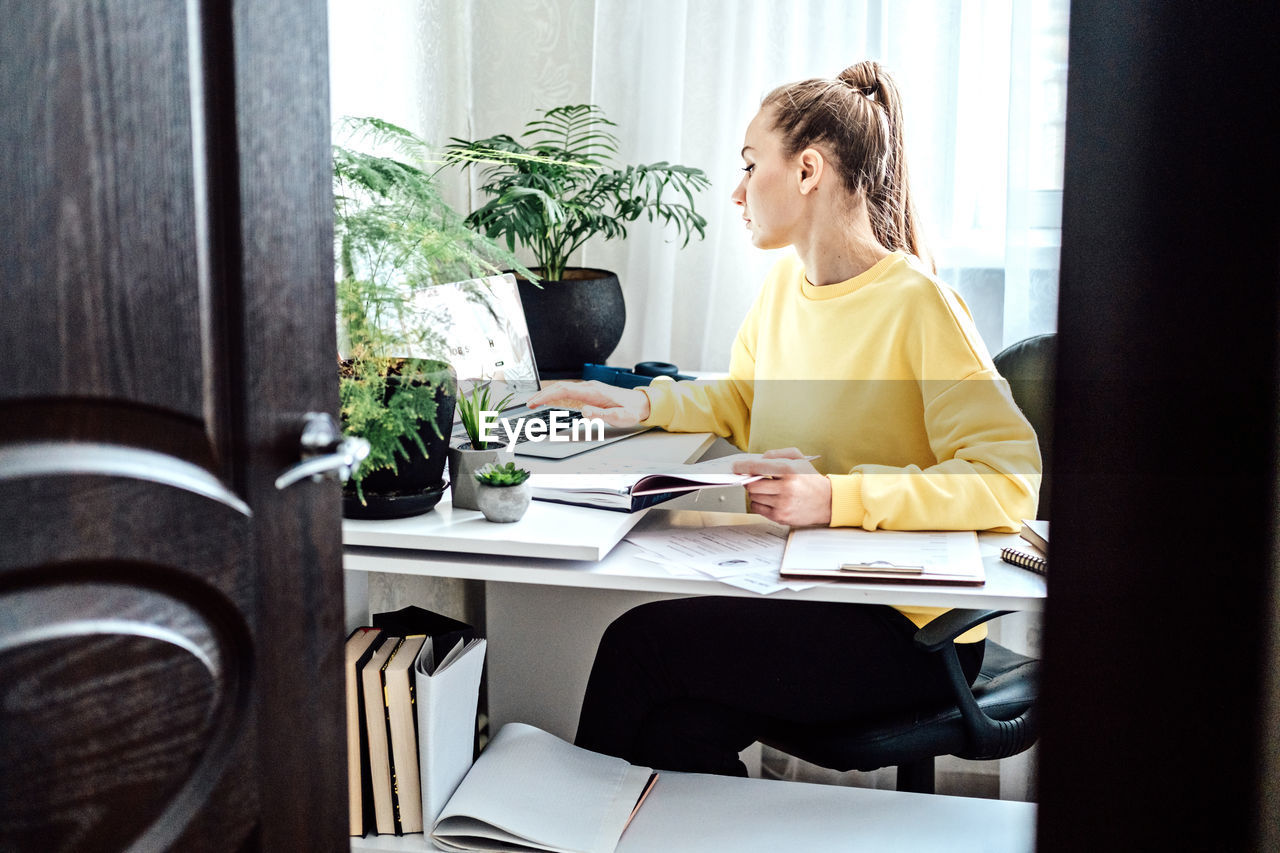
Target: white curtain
{"x": 983, "y": 84}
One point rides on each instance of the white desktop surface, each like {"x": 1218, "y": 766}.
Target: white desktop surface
{"x": 1007, "y": 587}
{"x": 547, "y": 530}
{"x": 696, "y": 813}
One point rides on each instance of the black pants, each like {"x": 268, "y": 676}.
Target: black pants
{"x": 687, "y": 684}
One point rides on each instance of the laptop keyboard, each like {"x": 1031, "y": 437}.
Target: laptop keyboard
{"x": 568, "y": 418}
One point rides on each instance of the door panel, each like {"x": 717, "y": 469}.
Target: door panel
{"x": 170, "y": 623}
{"x": 110, "y": 236}
{"x": 118, "y": 691}
{"x": 129, "y": 643}
{"x": 103, "y": 235}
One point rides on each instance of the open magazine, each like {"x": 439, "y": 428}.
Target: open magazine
{"x": 632, "y": 486}
{"x": 530, "y": 790}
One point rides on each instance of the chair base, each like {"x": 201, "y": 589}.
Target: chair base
{"x": 1004, "y": 693}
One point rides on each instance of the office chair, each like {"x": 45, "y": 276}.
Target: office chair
{"x": 995, "y": 717}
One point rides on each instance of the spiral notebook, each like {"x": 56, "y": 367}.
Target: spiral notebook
{"x": 1026, "y": 559}
{"x": 1035, "y": 556}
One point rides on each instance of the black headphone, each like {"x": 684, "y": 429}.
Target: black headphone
{"x": 656, "y": 368}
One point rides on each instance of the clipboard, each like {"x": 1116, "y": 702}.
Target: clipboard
{"x": 883, "y": 556}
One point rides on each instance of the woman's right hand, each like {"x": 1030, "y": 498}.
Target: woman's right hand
{"x": 619, "y": 407}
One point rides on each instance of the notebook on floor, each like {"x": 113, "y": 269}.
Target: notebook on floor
{"x": 485, "y": 334}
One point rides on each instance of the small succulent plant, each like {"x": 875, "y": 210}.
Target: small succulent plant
{"x": 501, "y": 475}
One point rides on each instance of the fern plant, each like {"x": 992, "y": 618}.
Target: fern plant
{"x": 501, "y": 475}
{"x": 394, "y": 235}
{"x": 558, "y": 188}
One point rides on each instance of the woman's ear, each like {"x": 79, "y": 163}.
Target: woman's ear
{"x": 812, "y": 168}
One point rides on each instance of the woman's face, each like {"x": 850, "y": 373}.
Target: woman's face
{"x": 769, "y": 192}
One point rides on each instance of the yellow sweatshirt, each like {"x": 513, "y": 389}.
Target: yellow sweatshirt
{"x": 886, "y": 377}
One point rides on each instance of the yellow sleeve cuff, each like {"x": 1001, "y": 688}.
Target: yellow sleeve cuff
{"x": 921, "y": 616}
{"x": 662, "y": 404}
{"x": 847, "y": 509}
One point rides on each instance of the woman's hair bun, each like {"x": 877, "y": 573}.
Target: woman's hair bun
{"x": 863, "y": 77}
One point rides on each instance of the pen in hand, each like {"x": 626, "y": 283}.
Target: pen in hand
{"x": 793, "y": 459}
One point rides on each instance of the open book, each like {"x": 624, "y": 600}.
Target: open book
{"x": 530, "y": 790}
{"x": 632, "y": 486}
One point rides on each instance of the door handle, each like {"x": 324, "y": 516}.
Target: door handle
{"x": 326, "y": 453}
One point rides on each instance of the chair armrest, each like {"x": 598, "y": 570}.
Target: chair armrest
{"x": 988, "y": 737}
{"x": 943, "y": 630}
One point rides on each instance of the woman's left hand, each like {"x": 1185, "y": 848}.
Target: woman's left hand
{"x": 794, "y": 493}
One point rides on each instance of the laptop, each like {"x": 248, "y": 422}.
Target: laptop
{"x": 486, "y": 339}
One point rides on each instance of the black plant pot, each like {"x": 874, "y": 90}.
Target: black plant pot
{"x": 575, "y": 321}
{"x": 418, "y": 482}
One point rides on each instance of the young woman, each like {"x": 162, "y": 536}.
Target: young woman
{"x": 852, "y": 351}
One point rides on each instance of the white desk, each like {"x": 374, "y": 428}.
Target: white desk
{"x": 1007, "y": 587}
{"x": 560, "y": 561}
{"x": 569, "y": 546}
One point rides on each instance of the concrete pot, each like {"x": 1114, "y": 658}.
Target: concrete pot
{"x": 503, "y": 503}
{"x": 464, "y": 462}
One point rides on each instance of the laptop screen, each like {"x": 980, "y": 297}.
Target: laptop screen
{"x": 483, "y": 328}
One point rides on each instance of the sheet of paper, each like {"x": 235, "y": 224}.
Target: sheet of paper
{"x": 678, "y": 570}
{"x": 743, "y": 556}
{"x": 760, "y": 583}
{"x": 717, "y": 551}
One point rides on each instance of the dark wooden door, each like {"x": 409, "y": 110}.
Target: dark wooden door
{"x": 1160, "y": 635}
{"x": 170, "y": 622}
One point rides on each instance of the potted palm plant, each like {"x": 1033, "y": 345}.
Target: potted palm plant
{"x": 549, "y": 194}
{"x": 395, "y": 235}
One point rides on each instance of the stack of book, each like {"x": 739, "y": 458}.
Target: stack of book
{"x": 413, "y": 681}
